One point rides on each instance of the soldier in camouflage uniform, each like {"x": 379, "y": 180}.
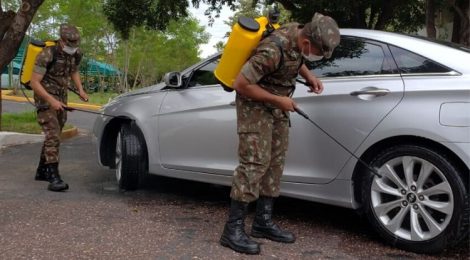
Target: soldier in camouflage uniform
{"x": 54, "y": 69}
{"x": 264, "y": 88}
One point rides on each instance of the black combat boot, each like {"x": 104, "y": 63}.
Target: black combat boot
{"x": 56, "y": 183}
{"x": 263, "y": 225}
{"x": 41, "y": 173}
{"x": 234, "y": 235}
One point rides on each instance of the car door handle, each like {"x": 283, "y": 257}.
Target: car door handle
{"x": 232, "y": 103}
{"x": 378, "y": 92}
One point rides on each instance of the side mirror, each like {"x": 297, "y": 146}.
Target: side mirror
{"x": 173, "y": 79}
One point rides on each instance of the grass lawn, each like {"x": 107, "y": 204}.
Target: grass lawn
{"x": 96, "y": 98}
{"x": 24, "y": 122}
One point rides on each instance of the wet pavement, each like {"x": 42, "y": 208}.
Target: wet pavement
{"x": 166, "y": 219}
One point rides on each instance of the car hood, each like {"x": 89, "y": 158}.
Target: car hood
{"x": 133, "y": 94}
{"x": 151, "y": 89}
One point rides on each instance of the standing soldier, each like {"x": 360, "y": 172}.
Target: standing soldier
{"x": 264, "y": 89}
{"x": 54, "y": 68}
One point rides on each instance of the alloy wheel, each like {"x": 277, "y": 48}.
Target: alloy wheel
{"x": 413, "y": 200}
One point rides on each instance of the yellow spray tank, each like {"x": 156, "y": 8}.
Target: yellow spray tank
{"x": 244, "y": 38}
{"x": 34, "y": 48}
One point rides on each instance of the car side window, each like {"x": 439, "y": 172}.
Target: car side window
{"x": 409, "y": 62}
{"x": 204, "y": 75}
{"x": 353, "y": 57}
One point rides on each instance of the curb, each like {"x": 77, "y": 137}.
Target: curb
{"x": 75, "y": 105}
{"x": 13, "y": 138}
{"x": 69, "y": 133}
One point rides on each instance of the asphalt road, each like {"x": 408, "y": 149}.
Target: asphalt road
{"x": 166, "y": 219}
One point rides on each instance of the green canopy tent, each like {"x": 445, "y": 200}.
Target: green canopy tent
{"x": 16, "y": 68}
{"x": 96, "y": 68}
{"x": 98, "y": 75}
{"x": 8, "y": 82}
{"x": 15, "y": 65}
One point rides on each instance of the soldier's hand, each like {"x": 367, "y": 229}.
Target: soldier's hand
{"x": 57, "y": 105}
{"x": 315, "y": 85}
{"x": 285, "y": 104}
{"x": 83, "y": 96}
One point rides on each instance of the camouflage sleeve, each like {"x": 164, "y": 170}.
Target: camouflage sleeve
{"x": 42, "y": 60}
{"x": 264, "y": 61}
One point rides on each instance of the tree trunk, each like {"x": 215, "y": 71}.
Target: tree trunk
{"x": 359, "y": 14}
{"x": 14, "y": 29}
{"x": 456, "y": 29}
{"x": 126, "y": 66}
{"x": 386, "y": 14}
{"x": 431, "y": 19}
{"x": 461, "y": 28}
{"x": 0, "y": 101}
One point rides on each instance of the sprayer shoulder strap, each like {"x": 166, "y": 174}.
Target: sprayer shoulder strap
{"x": 278, "y": 44}
{"x": 54, "y": 58}
{"x": 77, "y": 55}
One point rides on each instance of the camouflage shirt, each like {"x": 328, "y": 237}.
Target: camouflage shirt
{"x": 272, "y": 69}
{"x": 57, "y": 79}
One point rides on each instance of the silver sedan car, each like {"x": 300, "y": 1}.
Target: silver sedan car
{"x": 400, "y": 103}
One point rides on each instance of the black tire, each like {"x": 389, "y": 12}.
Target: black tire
{"x": 132, "y": 166}
{"x": 454, "y": 222}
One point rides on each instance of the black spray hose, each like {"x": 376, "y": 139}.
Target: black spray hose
{"x": 303, "y": 114}
{"x": 78, "y": 94}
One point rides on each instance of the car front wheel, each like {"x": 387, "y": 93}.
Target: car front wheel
{"x": 129, "y": 158}
{"x": 421, "y": 202}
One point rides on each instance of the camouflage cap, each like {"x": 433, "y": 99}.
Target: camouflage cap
{"x": 323, "y": 31}
{"x": 70, "y": 35}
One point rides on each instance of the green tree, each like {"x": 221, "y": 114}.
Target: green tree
{"x": 13, "y": 26}
{"x": 254, "y": 9}
{"x": 403, "y": 15}
{"x": 154, "y": 14}
{"x": 219, "y": 46}
{"x": 97, "y": 35}
{"x": 397, "y": 15}
{"x": 87, "y": 15}
{"x": 153, "y": 53}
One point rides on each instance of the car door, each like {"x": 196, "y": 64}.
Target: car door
{"x": 197, "y": 125}
{"x": 361, "y": 86}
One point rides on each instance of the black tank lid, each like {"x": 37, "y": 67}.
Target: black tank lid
{"x": 38, "y": 43}
{"x": 248, "y": 23}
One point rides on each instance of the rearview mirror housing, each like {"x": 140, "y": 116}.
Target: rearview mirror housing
{"x": 173, "y": 79}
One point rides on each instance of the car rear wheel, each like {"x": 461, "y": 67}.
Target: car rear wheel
{"x": 421, "y": 202}
{"x": 130, "y": 159}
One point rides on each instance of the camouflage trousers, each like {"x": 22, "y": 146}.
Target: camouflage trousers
{"x": 263, "y": 140}
{"x": 51, "y": 122}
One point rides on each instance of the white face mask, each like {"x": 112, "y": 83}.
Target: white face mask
{"x": 311, "y": 57}
{"x": 69, "y": 50}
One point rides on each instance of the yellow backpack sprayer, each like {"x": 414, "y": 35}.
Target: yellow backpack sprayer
{"x": 34, "y": 48}
{"x": 245, "y": 36}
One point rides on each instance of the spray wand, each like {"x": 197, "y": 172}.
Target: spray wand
{"x": 303, "y": 114}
